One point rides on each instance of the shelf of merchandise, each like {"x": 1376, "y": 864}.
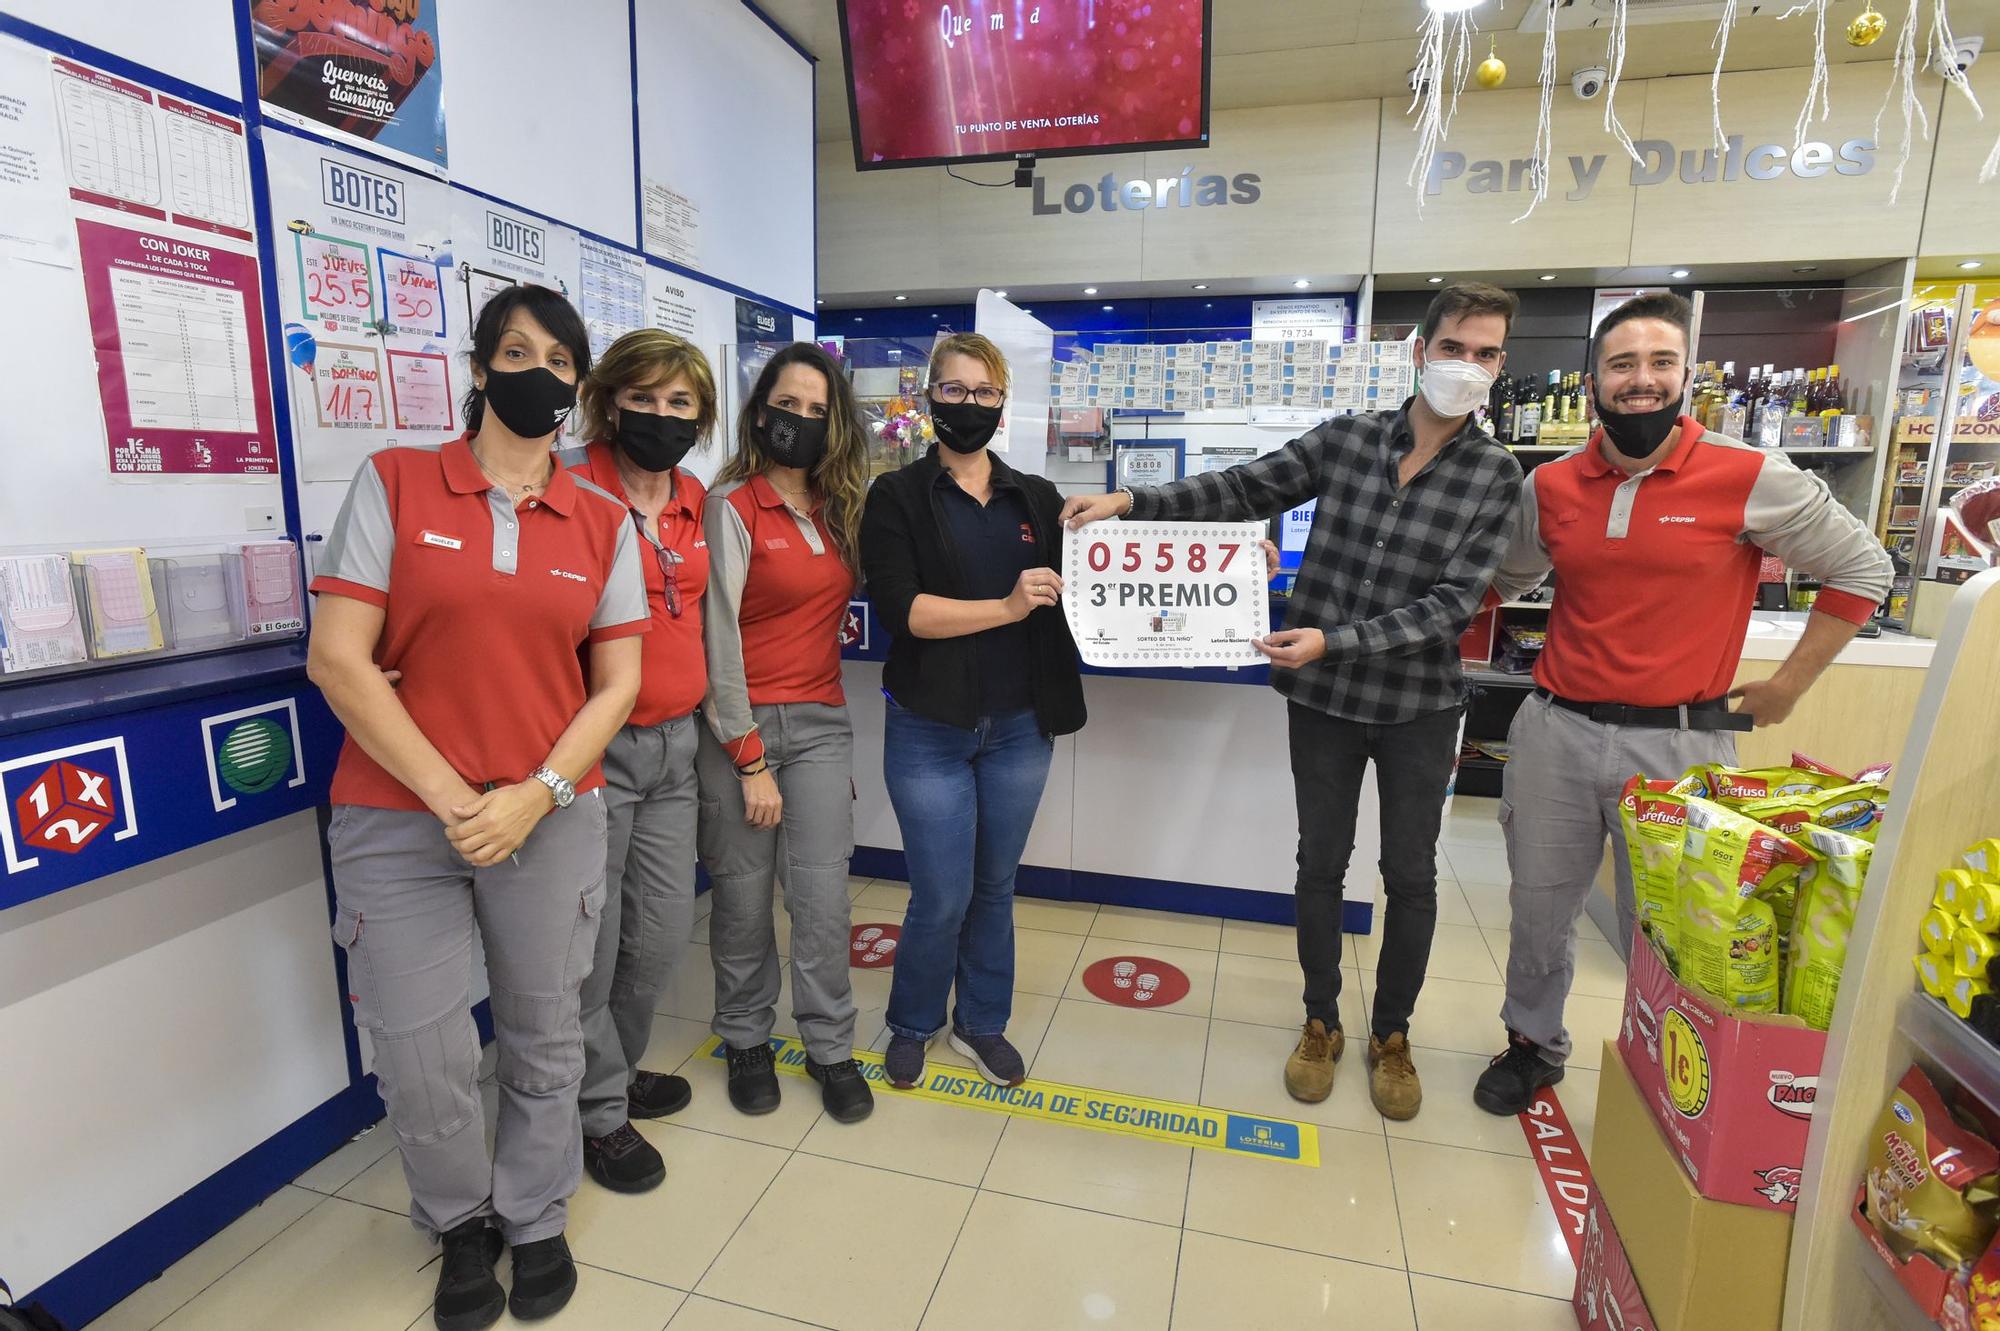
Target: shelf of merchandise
{"x": 1953, "y": 1047}
{"x": 1894, "y": 1301}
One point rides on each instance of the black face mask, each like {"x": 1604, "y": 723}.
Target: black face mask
{"x": 792, "y": 440}
{"x": 532, "y": 403}
{"x": 655, "y": 442}
{"x": 964, "y": 427}
{"x": 1636, "y": 434}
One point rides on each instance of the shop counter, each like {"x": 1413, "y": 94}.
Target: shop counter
{"x": 1178, "y": 793}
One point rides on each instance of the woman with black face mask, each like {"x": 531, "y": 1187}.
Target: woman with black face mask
{"x": 506, "y": 595}
{"x": 648, "y": 401}
{"x": 960, "y": 551}
{"x": 776, "y": 758}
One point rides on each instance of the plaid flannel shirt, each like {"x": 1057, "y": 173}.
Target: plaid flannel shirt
{"x": 1391, "y": 575}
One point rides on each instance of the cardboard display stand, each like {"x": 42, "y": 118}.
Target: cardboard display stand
{"x": 1701, "y": 1264}
{"x": 1733, "y": 1092}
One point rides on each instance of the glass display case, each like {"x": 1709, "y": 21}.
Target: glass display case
{"x": 1947, "y": 433}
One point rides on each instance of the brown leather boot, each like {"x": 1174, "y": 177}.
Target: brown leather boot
{"x": 1392, "y": 1078}
{"x": 1309, "y": 1071}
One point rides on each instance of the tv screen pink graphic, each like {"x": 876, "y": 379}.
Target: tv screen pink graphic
{"x": 931, "y": 81}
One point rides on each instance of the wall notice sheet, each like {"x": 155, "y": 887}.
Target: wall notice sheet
{"x": 674, "y": 303}
{"x": 496, "y": 247}
{"x": 673, "y": 225}
{"x": 1150, "y": 594}
{"x": 371, "y": 303}
{"x": 614, "y": 292}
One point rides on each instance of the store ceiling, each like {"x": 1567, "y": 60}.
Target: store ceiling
{"x": 1282, "y": 52}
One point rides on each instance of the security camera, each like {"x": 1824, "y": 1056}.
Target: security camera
{"x": 1964, "y": 52}
{"x": 1588, "y": 82}
{"x": 1416, "y": 81}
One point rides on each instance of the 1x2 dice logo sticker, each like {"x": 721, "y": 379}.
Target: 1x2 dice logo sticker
{"x": 65, "y": 808}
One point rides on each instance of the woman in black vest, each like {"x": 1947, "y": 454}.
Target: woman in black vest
{"x": 959, "y": 552}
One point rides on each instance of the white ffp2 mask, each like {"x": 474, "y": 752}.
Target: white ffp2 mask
{"x": 1454, "y": 388}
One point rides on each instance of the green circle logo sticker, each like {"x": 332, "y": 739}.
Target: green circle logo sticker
{"x": 255, "y": 755}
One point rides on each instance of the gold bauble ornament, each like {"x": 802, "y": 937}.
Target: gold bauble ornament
{"x": 1866, "y": 26}
{"x": 1492, "y": 71}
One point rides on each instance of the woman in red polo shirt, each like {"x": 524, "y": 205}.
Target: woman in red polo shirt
{"x": 782, "y": 524}
{"x": 508, "y": 595}
{"x": 648, "y": 401}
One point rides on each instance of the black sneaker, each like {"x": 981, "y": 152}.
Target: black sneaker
{"x": 753, "y": 1079}
{"x": 903, "y": 1061}
{"x": 544, "y": 1278}
{"x": 656, "y": 1095}
{"x": 623, "y": 1161}
{"x": 1509, "y": 1084}
{"x": 997, "y": 1061}
{"x": 469, "y": 1298}
{"x": 843, "y": 1091}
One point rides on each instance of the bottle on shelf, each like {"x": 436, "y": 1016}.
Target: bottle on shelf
{"x": 1798, "y": 387}
{"x": 1832, "y": 402}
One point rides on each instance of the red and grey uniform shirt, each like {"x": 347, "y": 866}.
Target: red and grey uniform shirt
{"x": 486, "y": 606}
{"x": 1656, "y": 573}
{"x": 673, "y": 674}
{"x": 778, "y": 592}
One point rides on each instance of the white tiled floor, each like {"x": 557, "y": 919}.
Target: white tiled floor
{"x": 936, "y": 1216}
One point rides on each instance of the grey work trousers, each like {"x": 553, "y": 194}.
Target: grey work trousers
{"x": 651, "y": 801}
{"x": 810, "y": 748}
{"x": 407, "y": 907}
{"x": 1559, "y": 801}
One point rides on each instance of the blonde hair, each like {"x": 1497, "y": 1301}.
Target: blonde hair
{"x": 976, "y": 345}
{"x": 841, "y": 474}
{"x": 639, "y": 359}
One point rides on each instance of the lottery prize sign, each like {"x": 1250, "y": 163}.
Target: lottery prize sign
{"x": 1148, "y": 594}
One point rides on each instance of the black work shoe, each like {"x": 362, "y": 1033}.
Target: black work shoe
{"x": 623, "y": 1161}
{"x": 656, "y": 1095}
{"x": 469, "y": 1298}
{"x": 1511, "y": 1080}
{"x": 544, "y": 1278}
{"x": 753, "y": 1079}
{"x": 843, "y": 1091}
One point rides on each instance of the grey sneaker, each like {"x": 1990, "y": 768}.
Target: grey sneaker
{"x": 997, "y": 1061}
{"x": 903, "y": 1061}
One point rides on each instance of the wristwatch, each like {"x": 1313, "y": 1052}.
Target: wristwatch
{"x": 563, "y": 790}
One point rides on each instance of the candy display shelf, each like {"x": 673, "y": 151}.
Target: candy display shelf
{"x": 1942, "y": 802}
{"x": 1896, "y": 1305}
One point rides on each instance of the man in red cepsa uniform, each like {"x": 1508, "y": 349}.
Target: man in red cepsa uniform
{"x": 1654, "y": 530}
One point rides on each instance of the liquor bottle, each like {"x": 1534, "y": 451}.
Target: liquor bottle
{"x": 1798, "y": 403}
{"x": 1832, "y": 402}
{"x": 1527, "y": 412}
{"x": 1549, "y": 397}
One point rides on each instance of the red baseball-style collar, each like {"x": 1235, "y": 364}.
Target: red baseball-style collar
{"x": 463, "y": 474}
{"x": 1595, "y": 464}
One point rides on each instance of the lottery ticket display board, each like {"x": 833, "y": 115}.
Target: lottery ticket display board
{"x": 368, "y": 293}
{"x": 147, "y": 197}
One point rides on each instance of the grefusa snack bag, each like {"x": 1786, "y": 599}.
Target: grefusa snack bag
{"x": 1855, "y": 809}
{"x": 1654, "y": 817}
{"x": 1823, "y": 921}
{"x": 1735, "y": 883}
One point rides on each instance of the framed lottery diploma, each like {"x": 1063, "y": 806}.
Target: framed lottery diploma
{"x": 1166, "y": 593}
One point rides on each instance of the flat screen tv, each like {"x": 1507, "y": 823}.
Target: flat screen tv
{"x": 935, "y": 81}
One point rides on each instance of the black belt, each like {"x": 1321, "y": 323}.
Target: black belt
{"x": 1709, "y": 714}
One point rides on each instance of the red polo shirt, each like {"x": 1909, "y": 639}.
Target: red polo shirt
{"x": 778, "y": 593}
{"x": 1656, "y": 573}
{"x": 674, "y": 674}
{"x": 486, "y": 607}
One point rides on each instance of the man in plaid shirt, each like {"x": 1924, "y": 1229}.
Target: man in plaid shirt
{"x": 1414, "y": 510}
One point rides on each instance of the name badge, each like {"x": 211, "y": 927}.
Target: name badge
{"x": 777, "y": 543}
{"x": 441, "y": 541}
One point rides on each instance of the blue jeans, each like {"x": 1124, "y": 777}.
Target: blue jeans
{"x": 965, "y": 800}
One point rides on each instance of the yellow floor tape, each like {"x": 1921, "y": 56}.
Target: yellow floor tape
{"x": 1105, "y": 1111}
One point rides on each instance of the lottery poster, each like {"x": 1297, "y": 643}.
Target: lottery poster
{"x": 150, "y": 198}
{"x": 367, "y": 290}
{"x": 496, "y": 247}
{"x": 364, "y": 70}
